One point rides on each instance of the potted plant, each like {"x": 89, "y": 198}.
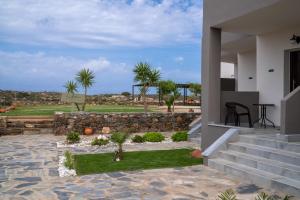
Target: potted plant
{"x": 88, "y": 131}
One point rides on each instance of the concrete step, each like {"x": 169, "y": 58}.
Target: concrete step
{"x": 270, "y": 142}
{"x": 268, "y": 165}
{"x": 256, "y": 176}
{"x": 266, "y": 152}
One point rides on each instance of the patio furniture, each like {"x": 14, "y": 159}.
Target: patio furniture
{"x": 263, "y": 114}
{"x": 233, "y": 112}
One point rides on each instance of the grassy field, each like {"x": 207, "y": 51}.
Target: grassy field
{"x": 138, "y": 160}
{"x": 50, "y": 109}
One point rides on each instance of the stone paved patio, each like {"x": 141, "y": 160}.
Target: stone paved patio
{"x": 28, "y": 170}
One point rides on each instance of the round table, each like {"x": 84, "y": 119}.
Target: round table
{"x": 263, "y": 114}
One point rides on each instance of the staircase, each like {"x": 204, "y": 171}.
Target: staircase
{"x": 28, "y": 125}
{"x": 263, "y": 160}
{"x": 194, "y": 134}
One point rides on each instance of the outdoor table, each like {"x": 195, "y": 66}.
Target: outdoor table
{"x": 263, "y": 114}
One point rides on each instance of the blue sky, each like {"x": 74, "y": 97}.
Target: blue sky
{"x": 43, "y": 43}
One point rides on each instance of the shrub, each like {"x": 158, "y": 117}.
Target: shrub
{"x": 137, "y": 139}
{"x": 180, "y": 136}
{"x": 69, "y": 161}
{"x": 126, "y": 94}
{"x": 73, "y": 137}
{"x": 119, "y": 138}
{"x": 100, "y": 142}
{"x": 153, "y": 137}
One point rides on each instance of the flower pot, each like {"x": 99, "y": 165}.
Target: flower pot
{"x": 2, "y": 110}
{"x": 88, "y": 131}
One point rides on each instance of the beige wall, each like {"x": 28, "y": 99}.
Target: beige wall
{"x": 247, "y": 69}
{"x": 270, "y": 55}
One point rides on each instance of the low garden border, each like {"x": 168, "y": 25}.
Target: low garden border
{"x": 124, "y": 122}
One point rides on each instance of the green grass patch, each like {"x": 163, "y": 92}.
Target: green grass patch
{"x": 51, "y": 109}
{"x": 138, "y": 160}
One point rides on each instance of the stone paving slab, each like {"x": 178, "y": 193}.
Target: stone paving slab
{"x": 28, "y": 170}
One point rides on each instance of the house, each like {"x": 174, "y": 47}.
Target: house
{"x": 262, "y": 40}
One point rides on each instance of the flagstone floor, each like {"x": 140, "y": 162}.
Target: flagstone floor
{"x": 28, "y": 170}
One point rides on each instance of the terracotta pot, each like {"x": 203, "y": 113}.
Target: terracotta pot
{"x": 196, "y": 153}
{"x": 2, "y": 110}
{"x": 88, "y": 131}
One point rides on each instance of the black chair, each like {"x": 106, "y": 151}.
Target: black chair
{"x": 232, "y": 112}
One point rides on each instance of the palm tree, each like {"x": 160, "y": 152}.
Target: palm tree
{"x": 146, "y": 77}
{"x": 71, "y": 87}
{"x": 119, "y": 138}
{"x": 86, "y": 78}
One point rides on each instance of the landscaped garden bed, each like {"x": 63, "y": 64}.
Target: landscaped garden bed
{"x": 146, "y": 138}
{"x": 138, "y": 160}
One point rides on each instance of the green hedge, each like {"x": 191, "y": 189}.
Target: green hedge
{"x": 153, "y": 137}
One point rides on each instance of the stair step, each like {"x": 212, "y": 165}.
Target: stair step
{"x": 256, "y": 176}
{"x": 269, "y": 142}
{"x": 266, "y": 152}
{"x": 272, "y": 166}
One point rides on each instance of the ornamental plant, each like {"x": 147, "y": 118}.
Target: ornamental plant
{"x": 69, "y": 160}
{"x": 230, "y": 195}
{"x": 99, "y": 142}
{"x": 180, "y": 136}
{"x": 153, "y": 137}
{"x": 137, "y": 139}
{"x": 119, "y": 138}
{"x": 73, "y": 137}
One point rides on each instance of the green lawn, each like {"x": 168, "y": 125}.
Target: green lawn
{"x": 138, "y": 160}
{"x": 50, "y": 109}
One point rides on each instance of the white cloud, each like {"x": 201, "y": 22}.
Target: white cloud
{"x": 179, "y": 59}
{"x": 100, "y": 23}
{"x": 38, "y": 71}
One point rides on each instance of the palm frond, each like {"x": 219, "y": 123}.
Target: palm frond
{"x": 227, "y": 195}
{"x": 85, "y": 77}
{"x": 71, "y": 87}
{"x": 263, "y": 196}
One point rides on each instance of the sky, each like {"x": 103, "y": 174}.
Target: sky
{"x": 44, "y": 43}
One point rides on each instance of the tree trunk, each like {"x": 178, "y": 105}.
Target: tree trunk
{"x": 169, "y": 109}
{"x": 144, "y": 100}
{"x": 77, "y": 106}
{"x": 84, "y": 102}
{"x": 173, "y": 106}
{"x": 120, "y": 152}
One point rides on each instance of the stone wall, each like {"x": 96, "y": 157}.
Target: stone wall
{"x": 126, "y": 122}
{"x": 3, "y": 120}
{"x": 8, "y": 97}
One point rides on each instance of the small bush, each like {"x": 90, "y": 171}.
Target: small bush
{"x": 73, "y": 137}
{"x": 137, "y": 139}
{"x": 69, "y": 162}
{"x": 99, "y": 142}
{"x": 153, "y": 137}
{"x": 126, "y": 94}
{"x": 180, "y": 136}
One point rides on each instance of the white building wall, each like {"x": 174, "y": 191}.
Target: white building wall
{"x": 270, "y": 56}
{"x": 247, "y": 71}
{"x": 227, "y": 70}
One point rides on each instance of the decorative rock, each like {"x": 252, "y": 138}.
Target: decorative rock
{"x": 105, "y": 130}
{"x": 196, "y": 153}
{"x": 103, "y": 137}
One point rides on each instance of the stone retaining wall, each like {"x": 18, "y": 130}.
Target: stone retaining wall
{"x": 126, "y": 122}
